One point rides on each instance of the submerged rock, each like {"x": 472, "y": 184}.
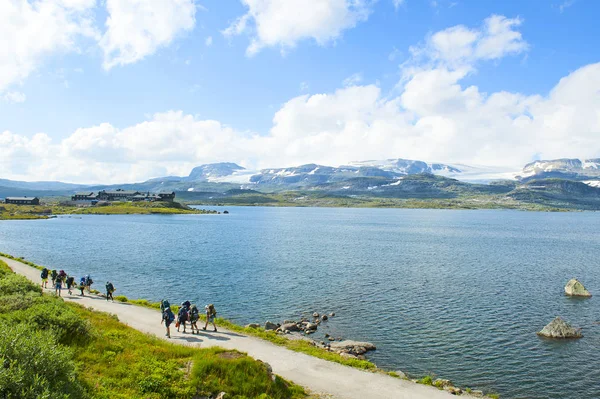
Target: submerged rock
{"x": 558, "y": 328}
{"x": 352, "y": 347}
{"x": 575, "y": 288}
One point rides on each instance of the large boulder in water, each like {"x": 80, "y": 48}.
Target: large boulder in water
{"x": 575, "y": 288}
{"x": 558, "y": 328}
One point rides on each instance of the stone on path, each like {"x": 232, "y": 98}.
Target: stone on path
{"x": 575, "y": 288}
{"x": 558, "y": 328}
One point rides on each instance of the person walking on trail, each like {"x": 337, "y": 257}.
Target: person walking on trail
{"x": 163, "y": 305}
{"x": 70, "y": 284}
{"x": 110, "y": 288}
{"x": 57, "y": 286}
{"x": 81, "y": 286}
{"x": 194, "y": 316}
{"x": 53, "y": 276}
{"x": 182, "y": 317}
{"x": 44, "y": 276}
{"x": 167, "y": 318}
{"x": 211, "y": 313}
{"x": 88, "y": 283}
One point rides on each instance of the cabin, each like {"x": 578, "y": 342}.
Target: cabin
{"x": 86, "y": 196}
{"x": 22, "y": 200}
{"x": 117, "y": 195}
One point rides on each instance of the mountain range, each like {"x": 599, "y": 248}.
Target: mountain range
{"x": 390, "y": 178}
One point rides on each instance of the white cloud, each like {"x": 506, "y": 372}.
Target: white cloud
{"x": 353, "y": 80}
{"x": 565, "y": 5}
{"x": 304, "y": 86}
{"x": 397, "y": 3}
{"x": 460, "y": 46}
{"x": 274, "y": 23}
{"x": 14, "y": 97}
{"x": 209, "y": 41}
{"x": 31, "y": 30}
{"x": 434, "y": 117}
{"x": 137, "y": 28}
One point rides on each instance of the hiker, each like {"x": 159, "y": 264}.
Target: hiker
{"x": 53, "y": 276}
{"x": 81, "y": 286}
{"x": 187, "y": 305}
{"x": 211, "y": 313}
{"x": 110, "y": 288}
{"x": 167, "y": 318}
{"x": 57, "y": 286}
{"x": 194, "y": 316}
{"x": 70, "y": 284}
{"x": 62, "y": 276}
{"x": 88, "y": 283}
{"x": 44, "y": 276}
{"x": 182, "y": 317}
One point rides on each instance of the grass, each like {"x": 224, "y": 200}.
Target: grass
{"x": 101, "y": 358}
{"x": 24, "y": 212}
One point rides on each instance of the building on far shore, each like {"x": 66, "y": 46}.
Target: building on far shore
{"x": 22, "y": 200}
{"x": 122, "y": 195}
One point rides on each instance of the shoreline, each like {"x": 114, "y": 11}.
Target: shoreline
{"x": 298, "y": 346}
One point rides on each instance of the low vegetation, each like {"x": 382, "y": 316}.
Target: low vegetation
{"x": 52, "y": 349}
{"x": 23, "y": 212}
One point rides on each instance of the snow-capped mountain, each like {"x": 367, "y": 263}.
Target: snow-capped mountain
{"x": 468, "y": 173}
{"x": 586, "y": 169}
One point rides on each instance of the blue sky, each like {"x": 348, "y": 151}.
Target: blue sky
{"x": 67, "y": 93}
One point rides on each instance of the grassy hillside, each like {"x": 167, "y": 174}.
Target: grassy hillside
{"x": 52, "y": 349}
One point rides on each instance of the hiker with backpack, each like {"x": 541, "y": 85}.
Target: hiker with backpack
{"x": 57, "y": 286}
{"x": 81, "y": 286}
{"x": 53, "y": 276}
{"x": 110, "y": 288}
{"x": 194, "y": 316}
{"x": 44, "y": 276}
{"x": 182, "y": 317}
{"x": 88, "y": 283}
{"x": 167, "y": 318}
{"x": 211, "y": 313}
{"x": 163, "y": 305}
{"x": 70, "y": 284}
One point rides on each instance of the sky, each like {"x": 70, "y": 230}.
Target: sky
{"x": 115, "y": 91}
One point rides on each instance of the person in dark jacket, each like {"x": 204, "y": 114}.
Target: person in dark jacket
{"x": 110, "y": 288}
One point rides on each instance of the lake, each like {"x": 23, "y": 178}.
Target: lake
{"x": 457, "y": 294}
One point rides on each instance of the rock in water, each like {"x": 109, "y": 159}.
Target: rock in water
{"x": 559, "y": 328}
{"x": 352, "y": 347}
{"x": 271, "y": 326}
{"x": 575, "y": 288}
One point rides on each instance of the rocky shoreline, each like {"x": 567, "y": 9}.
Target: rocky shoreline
{"x": 306, "y": 326}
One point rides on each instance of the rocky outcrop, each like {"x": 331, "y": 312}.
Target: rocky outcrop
{"x": 271, "y": 326}
{"x": 289, "y": 327}
{"x": 575, "y": 288}
{"x": 558, "y": 328}
{"x": 253, "y": 325}
{"x": 354, "y": 348}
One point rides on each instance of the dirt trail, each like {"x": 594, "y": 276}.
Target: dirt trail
{"x": 332, "y": 380}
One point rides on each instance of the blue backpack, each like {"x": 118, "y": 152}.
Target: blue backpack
{"x": 168, "y": 315}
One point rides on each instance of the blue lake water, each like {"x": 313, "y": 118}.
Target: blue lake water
{"x": 459, "y": 294}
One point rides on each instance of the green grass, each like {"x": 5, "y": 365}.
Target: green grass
{"x": 21, "y": 212}
{"x": 54, "y": 349}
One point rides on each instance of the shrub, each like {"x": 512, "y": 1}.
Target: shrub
{"x": 35, "y": 366}
{"x": 218, "y": 369}
{"x": 51, "y": 314}
{"x": 15, "y": 284}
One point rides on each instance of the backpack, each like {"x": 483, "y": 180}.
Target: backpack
{"x": 211, "y": 310}
{"x": 44, "y": 273}
{"x": 183, "y": 314}
{"x": 168, "y": 315}
{"x": 194, "y": 316}
{"x": 110, "y": 287}
{"x": 70, "y": 280}
{"x": 164, "y": 304}
{"x": 54, "y": 274}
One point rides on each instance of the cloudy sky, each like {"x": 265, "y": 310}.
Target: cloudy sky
{"x": 124, "y": 90}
